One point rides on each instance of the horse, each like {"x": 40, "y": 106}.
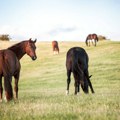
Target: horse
{"x": 10, "y": 66}
{"x": 91, "y": 37}
{"x": 55, "y": 47}
{"x": 77, "y": 63}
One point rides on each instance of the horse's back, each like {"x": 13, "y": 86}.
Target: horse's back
{"x": 89, "y": 37}
{"x": 94, "y": 36}
{"x": 8, "y": 62}
{"x": 77, "y": 53}
{"x": 54, "y": 43}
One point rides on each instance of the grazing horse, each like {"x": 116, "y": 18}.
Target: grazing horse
{"x": 55, "y": 47}
{"x": 77, "y": 63}
{"x": 10, "y": 66}
{"x": 91, "y": 37}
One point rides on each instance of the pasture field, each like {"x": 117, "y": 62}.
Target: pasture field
{"x": 42, "y": 85}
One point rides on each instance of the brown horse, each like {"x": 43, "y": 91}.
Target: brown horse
{"x": 55, "y": 47}
{"x": 10, "y": 66}
{"x": 91, "y": 37}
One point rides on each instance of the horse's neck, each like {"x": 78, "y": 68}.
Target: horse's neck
{"x": 19, "y": 50}
{"x": 19, "y": 53}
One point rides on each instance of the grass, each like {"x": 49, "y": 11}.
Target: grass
{"x": 42, "y": 85}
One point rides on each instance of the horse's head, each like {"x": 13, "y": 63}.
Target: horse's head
{"x": 86, "y": 83}
{"x": 30, "y": 49}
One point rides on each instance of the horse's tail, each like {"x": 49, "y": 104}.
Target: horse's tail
{"x": 77, "y": 71}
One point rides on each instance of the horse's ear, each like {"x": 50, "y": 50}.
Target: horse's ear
{"x": 30, "y": 39}
{"x": 90, "y": 76}
{"x": 35, "y": 40}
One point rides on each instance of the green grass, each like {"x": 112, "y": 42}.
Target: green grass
{"x": 42, "y": 86}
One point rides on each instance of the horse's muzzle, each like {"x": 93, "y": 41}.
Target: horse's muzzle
{"x": 34, "y": 58}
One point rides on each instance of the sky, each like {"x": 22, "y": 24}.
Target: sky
{"x": 61, "y": 20}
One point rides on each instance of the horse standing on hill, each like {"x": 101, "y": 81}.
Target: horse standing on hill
{"x": 10, "y": 66}
{"x": 55, "y": 47}
{"x": 77, "y": 62}
{"x": 91, "y": 37}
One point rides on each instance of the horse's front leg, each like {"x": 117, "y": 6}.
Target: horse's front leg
{"x": 16, "y": 86}
{"x": 86, "y": 42}
{"x": 68, "y": 80}
{"x": 76, "y": 88}
{"x": 85, "y": 87}
{"x": 89, "y": 43}
{"x": 78, "y": 91}
{"x": 1, "y": 88}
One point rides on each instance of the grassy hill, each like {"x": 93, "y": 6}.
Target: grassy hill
{"x": 42, "y": 85}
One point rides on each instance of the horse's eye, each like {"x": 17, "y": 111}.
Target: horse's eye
{"x": 30, "y": 46}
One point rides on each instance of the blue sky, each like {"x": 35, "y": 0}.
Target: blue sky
{"x": 59, "y": 19}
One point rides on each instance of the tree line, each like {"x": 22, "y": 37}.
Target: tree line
{"x": 6, "y": 37}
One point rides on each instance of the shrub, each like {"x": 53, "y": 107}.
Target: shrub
{"x": 4, "y": 37}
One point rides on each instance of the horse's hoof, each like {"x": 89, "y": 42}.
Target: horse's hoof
{"x": 5, "y": 99}
{"x": 67, "y": 92}
{"x": 0, "y": 100}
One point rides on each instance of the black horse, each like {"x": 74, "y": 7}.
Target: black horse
{"x": 91, "y": 37}
{"x": 77, "y": 63}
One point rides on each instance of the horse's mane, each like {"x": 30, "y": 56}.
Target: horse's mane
{"x": 18, "y": 49}
{"x": 15, "y": 46}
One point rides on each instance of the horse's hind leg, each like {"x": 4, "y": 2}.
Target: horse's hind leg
{"x": 58, "y": 50}
{"x": 1, "y": 88}
{"x": 53, "y": 50}
{"x": 8, "y": 87}
{"x": 16, "y": 85}
{"x": 68, "y": 80}
{"x": 95, "y": 42}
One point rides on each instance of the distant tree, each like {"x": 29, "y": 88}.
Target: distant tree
{"x": 100, "y": 37}
{"x": 5, "y": 37}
